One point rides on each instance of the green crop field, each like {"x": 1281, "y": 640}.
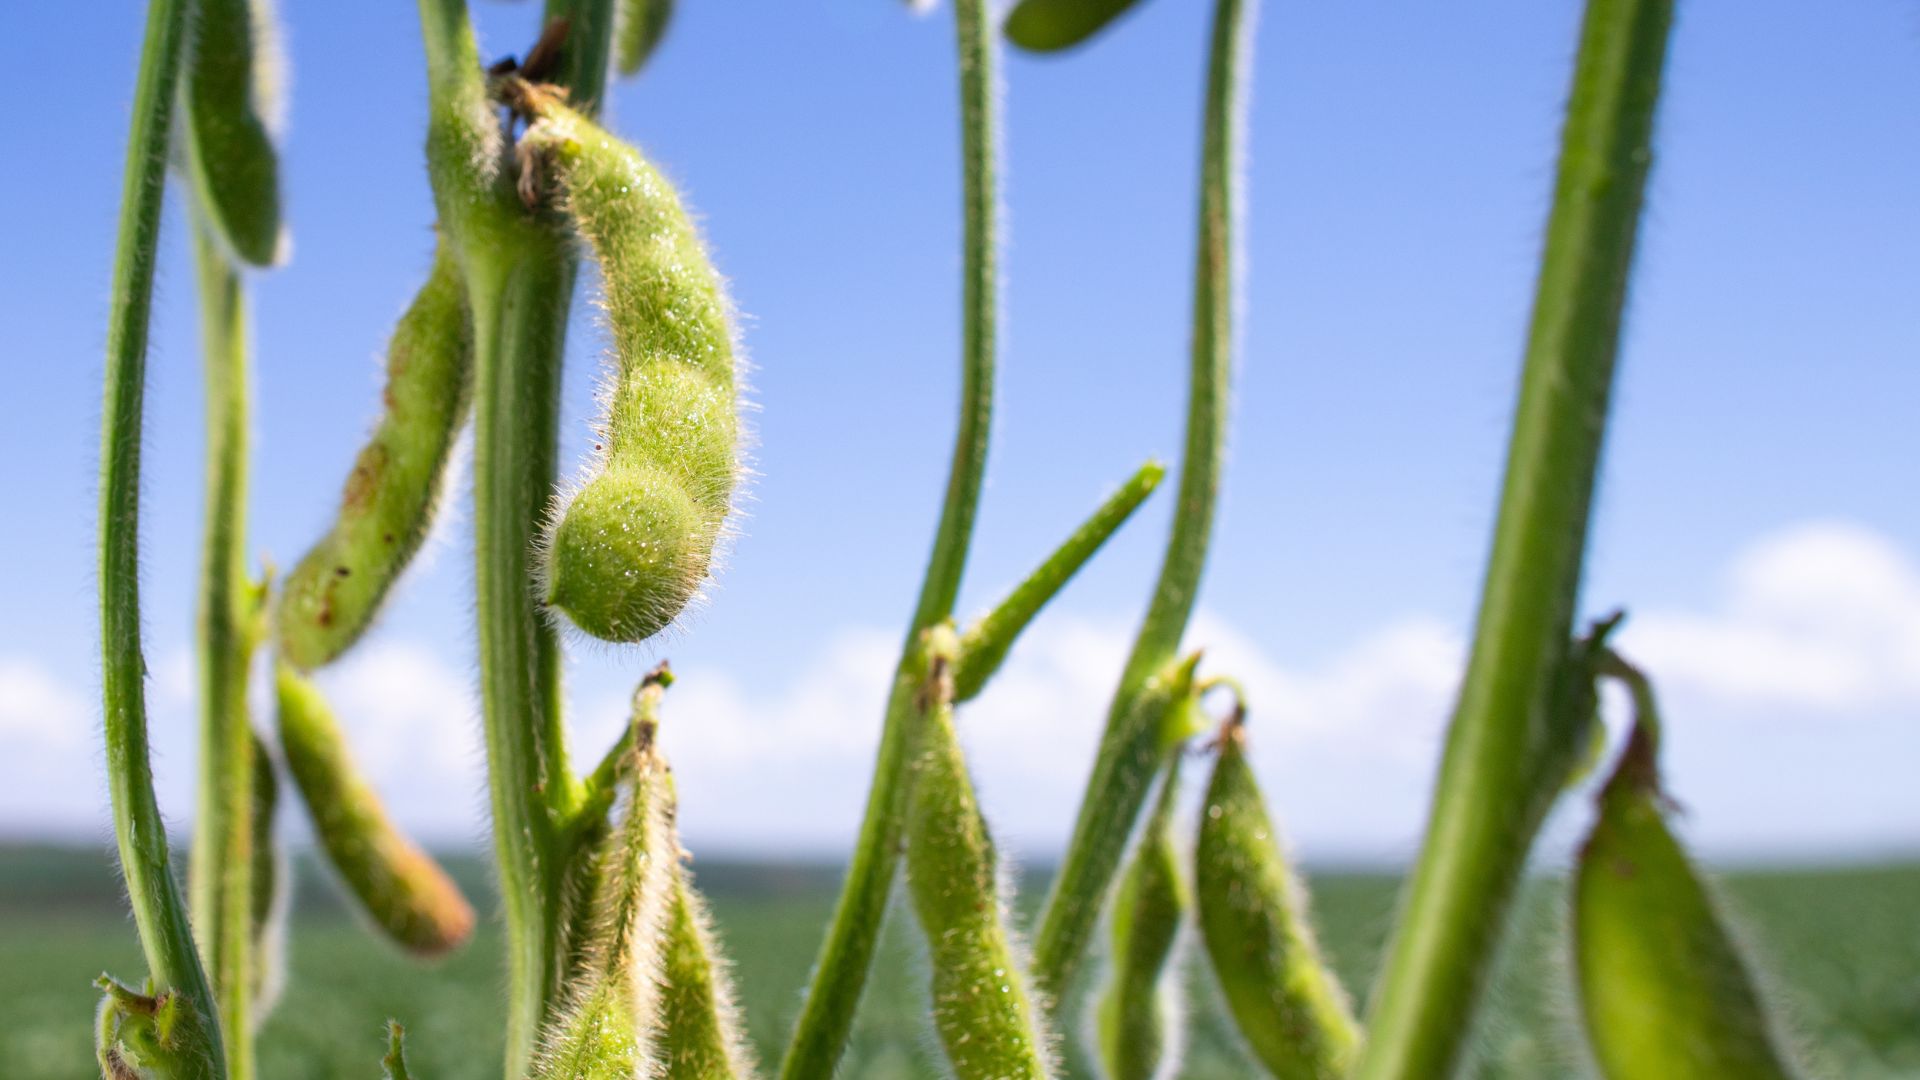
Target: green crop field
{"x": 1842, "y": 948}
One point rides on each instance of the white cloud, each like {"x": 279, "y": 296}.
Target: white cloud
{"x": 789, "y": 765}
{"x": 37, "y": 709}
{"x": 174, "y": 683}
{"x": 1822, "y": 617}
{"x": 45, "y": 749}
{"x": 1800, "y": 674}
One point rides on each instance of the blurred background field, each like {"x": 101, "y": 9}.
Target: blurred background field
{"x": 1842, "y": 947}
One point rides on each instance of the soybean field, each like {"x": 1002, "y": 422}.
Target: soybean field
{"x": 1841, "y": 947}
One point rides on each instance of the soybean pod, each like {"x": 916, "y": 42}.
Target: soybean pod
{"x": 1138, "y": 1022}
{"x": 269, "y": 906}
{"x": 700, "y": 1037}
{"x": 1664, "y": 990}
{"x": 406, "y": 893}
{"x": 633, "y": 545}
{"x": 1286, "y": 1001}
{"x": 609, "y": 1016}
{"x": 228, "y": 91}
{"x": 389, "y": 498}
{"x": 155, "y": 1035}
{"x": 982, "y": 1007}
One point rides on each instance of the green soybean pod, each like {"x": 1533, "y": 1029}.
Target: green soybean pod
{"x": 700, "y": 1037}
{"x": 1050, "y": 25}
{"x": 607, "y": 1027}
{"x": 630, "y": 549}
{"x": 406, "y": 893}
{"x": 637, "y": 32}
{"x": 1664, "y": 990}
{"x": 1288, "y": 1005}
{"x": 390, "y": 496}
{"x": 269, "y": 907}
{"x": 228, "y": 90}
{"x": 982, "y": 1007}
{"x": 152, "y": 1035}
{"x": 1139, "y": 1014}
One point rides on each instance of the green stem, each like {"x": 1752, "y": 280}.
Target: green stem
{"x": 520, "y": 274}
{"x": 519, "y": 318}
{"x": 157, "y": 909}
{"x": 986, "y": 642}
{"x": 1507, "y": 755}
{"x": 1130, "y": 750}
{"x": 980, "y": 298}
{"x": 220, "y": 872}
{"x": 840, "y": 974}
{"x": 587, "y": 57}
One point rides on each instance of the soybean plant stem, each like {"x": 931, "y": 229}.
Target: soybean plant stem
{"x": 1131, "y": 749}
{"x": 1507, "y": 755}
{"x": 840, "y": 974}
{"x": 520, "y": 272}
{"x": 157, "y": 909}
{"x": 986, "y": 641}
{"x": 980, "y": 303}
{"x": 519, "y": 319}
{"x": 586, "y": 56}
{"x": 220, "y": 875}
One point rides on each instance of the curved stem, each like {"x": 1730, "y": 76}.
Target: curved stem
{"x": 1130, "y": 750}
{"x": 980, "y": 305}
{"x": 840, "y": 974}
{"x": 157, "y": 909}
{"x": 1507, "y": 754}
{"x": 220, "y": 872}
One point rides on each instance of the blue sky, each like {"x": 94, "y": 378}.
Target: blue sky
{"x": 1756, "y": 509}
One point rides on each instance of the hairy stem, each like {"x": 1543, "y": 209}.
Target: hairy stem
{"x": 586, "y": 58}
{"x": 1130, "y": 750}
{"x": 840, "y": 974}
{"x": 520, "y": 274}
{"x": 518, "y": 326}
{"x": 1507, "y": 754}
{"x": 157, "y": 908}
{"x": 220, "y": 872}
{"x": 986, "y": 641}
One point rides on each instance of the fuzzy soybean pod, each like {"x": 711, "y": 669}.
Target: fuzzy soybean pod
{"x": 151, "y": 1035}
{"x": 1139, "y": 1016}
{"x": 631, "y": 548}
{"x": 982, "y": 1007}
{"x": 1288, "y": 1005}
{"x": 406, "y": 893}
{"x": 228, "y": 91}
{"x": 607, "y": 1026}
{"x": 269, "y": 906}
{"x": 1664, "y": 990}
{"x": 700, "y": 1037}
{"x": 390, "y": 496}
